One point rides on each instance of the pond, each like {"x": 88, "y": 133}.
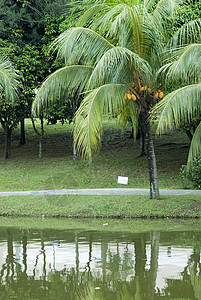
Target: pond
{"x": 63, "y": 263}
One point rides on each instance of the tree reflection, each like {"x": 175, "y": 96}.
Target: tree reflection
{"x": 121, "y": 272}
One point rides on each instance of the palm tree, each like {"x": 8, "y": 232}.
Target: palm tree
{"x": 9, "y": 80}
{"x": 184, "y": 103}
{"x": 9, "y": 84}
{"x": 113, "y": 56}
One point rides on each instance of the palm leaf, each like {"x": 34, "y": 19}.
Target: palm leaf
{"x": 189, "y": 33}
{"x": 129, "y": 111}
{"x": 88, "y": 118}
{"x": 121, "y": 66}
{"x": 186, "y": 67}
{"x": 123, "y": 22}
{"x": 81, "y": 45}
{"x": 165, "y": 9}
{"x": 180, "y": 105}
{"x": 92, "y": 12}
{"x": 195, "y": 148}
{"x": 9, "y": 79}
{"x": 75, "y": 77}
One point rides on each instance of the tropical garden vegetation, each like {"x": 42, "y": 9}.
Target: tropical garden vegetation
{"x": 123, "y": 57}
{"x": 9, "y": 84}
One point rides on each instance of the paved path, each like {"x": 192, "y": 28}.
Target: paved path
{"x": 118, "y": 191}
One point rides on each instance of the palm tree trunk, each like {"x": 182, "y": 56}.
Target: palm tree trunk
{"x": 153, "y": 177}
{"x": 22, "y": 132}
{"x": 8, "y": 132}
{"x": 40, "y": 135}
{"x": 155, "y": 240}
{"x": 142, "y": 130}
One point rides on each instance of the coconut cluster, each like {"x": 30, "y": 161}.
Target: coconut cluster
{"x": 159, "y": 94}
{"x": 133, "y": 95}
{"x": 130, "y": 96}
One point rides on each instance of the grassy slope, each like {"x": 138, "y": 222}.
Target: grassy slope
{"x": 115, "y": 225}
{"x": 119, "y": 155}
{"x": 101, "y": 206}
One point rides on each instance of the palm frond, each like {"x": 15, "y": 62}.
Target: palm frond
{"x": 74, "y": 77}
{"x": 123, "y": 23}
{"x": 162, "y": 15}
{"x": 120, "y": 65}
{"x": 81, "y": 45}
{"x": 88, "y": 118}
{"x": 10, "y": 79}
{"x": 113, "y": 18}
{"x": 129, "y": 111}
{"x": 134, "y": 113}
{"x": 189, "y": 33}
{"x": 195, "y": 148}
{"x": 180, "y": 105}
{"x": 153, "y": 43}
{"x": 185, "y": 67}
{"x": 166, "y": 9}
{"x": 92, "y": 12}
{"x": 137, "y": 14}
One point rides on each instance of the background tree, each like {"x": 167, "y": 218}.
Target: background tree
{"x": 114, "y": 58}
{"x": 183, "y": 104}
{"x": 9, "y": 117}
{"x": 26, "y": 28}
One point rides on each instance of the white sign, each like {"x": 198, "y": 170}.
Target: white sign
{"x": 122, "y": 180}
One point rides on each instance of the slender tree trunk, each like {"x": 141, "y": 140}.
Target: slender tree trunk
{"x": 40, "y": 135}
{"x": 153, "y": 177}
{"x": 104, "y": 246}
{"x": 22, "y": 132}
{"x": 41, "y": 138}
{"x": 189, "y": 134}
{"x": 155, "y": 239}
{"x": 142, "y": 130}
{"x": 140, "y": 263}
{"x": 74, "y": 152}
{"x": 24, "y": 255}
{"x": 8, "y": 132}
{"x": 142, "y": 143}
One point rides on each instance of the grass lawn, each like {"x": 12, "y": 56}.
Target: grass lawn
{"x": 114, "y": 225}
{"x": 119, "y": 155}
{"x": 79, "y": 206}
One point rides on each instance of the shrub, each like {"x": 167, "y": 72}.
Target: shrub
{"x": 194, "y": 175}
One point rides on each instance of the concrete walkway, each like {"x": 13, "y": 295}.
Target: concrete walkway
{"x": 117, "y": 191}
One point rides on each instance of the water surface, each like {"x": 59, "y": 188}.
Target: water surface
{"x": 104, "y": 264}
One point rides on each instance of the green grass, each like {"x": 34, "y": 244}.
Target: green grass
{"x": 79, "y": 206}
{"x": 119, "y": 155}
{"x": 115, "y": 225}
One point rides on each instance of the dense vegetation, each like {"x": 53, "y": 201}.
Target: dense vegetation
{"x": 27, "y": 30}
{"x": 125, "y": 51}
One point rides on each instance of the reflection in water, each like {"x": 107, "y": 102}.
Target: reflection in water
{"x": 50, "y": 264}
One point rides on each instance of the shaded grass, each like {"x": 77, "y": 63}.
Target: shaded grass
{"x": 119, "y": 155}
{"x": 114, "y": 225}
{"x": 73, "y": 206}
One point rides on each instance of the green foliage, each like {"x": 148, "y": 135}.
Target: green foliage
{"x": 194, "y": 175}
{"x": 124, "y": 43}
{"x": 24, "y": 21}
{"x": 73, "y": 11}
{"x": 27, "y": 29}
{"x": 62, "y": 112}
{"x": 11, "y": 114}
